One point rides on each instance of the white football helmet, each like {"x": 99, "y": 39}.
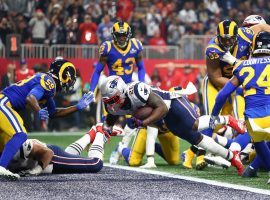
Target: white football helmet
{"x": 252, "y": 20}
{"x": 113, "y": 92}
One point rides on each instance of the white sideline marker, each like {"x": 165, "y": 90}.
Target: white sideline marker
{"x": 199, "y": 180}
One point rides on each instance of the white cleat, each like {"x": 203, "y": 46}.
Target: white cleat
{"x": 217, "y": 160}
{"x": 8, "y": 175}
{"x": 115, "y": 155}
{"x": 148, "y": 166}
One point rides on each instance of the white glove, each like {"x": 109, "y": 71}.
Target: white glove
{"x": 229, "y": 58}
{"x": 32, "y": 172}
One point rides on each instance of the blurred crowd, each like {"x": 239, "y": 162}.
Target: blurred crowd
{"x": 154, "y": 22}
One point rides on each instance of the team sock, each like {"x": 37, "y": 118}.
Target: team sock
{"x": 11, "y": 148}
{"x": 78, "y": 146}
{"x": 97, "y": 148}
{"x": 159, "y": 151}
{"x": 126, "y": 153}
{"x": 263, "y": 153}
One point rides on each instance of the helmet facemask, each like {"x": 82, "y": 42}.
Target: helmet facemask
{"x": 227, "y": 42}
{"x": 121, "y": 34}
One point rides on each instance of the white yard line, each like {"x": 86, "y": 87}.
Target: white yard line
{"x": 199, "y": 180}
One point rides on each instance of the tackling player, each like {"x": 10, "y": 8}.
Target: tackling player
{"x": 253, "y": 75}
{"x": 171, "y": 107}
{"x": 37, "y": 92}
{"x": 121, "y": 55}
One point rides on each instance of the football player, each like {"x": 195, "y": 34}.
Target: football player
{"x": 121, "y": 55}
{"x": 37, "y": 92}
{"x": 172, "y": 107}
{"x": 35, "y": 157}
{"x": 253, "y": 75}
{"x": 229, "y": 38}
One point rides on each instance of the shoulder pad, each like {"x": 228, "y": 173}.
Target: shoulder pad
{"x": 24, "y": 150}
{"x": 105, "y": 48}
{"x": 47, "y": 83}
{"x": 142, "y": 91}
{"x": 246, "y": 34}
{"x": 137, "y": 43}
{"x": 213, "y": 51}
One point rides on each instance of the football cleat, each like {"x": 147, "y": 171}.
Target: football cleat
{"x": 217, "y": 160}
{"x": 249, "y": 172}
{"x": 200, "y": 163}
{"x": 148, "y": 165}
{"x": 115, "y": 155}
{"x": 8, "y": 175}
{"x": 236, "y": 162}
{"x": 187, "y": 158}
{"x": 236, "y": 125}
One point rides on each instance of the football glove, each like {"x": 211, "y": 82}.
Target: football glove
{"x": 134, "y": 123}
{"x": 229, "y": 58}
{"x": 43, "y": 114}
{"x": 85, "y": 100}
{"x": 212, "y": 121}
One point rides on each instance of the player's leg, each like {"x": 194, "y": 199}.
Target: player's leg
{"x": 150, "y": 147}
{"x": 129, "y": 133}
{"x": 15, "y": 135}
{"x": 170, "y": 145}
{"x": 182, "y": 117}
{"x": 79, "y": 145}
{"x": 138, "y": 148}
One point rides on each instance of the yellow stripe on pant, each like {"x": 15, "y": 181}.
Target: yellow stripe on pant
{"x": 10, "y": 121}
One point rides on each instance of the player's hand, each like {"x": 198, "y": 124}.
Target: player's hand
{"x": 85, "y": 100}
{"x": 134, "y": 123}
{"x": 212, "y": 121}
{"x": 43, "y": 114}
{"x": 229, "y": 58}
{"x": 31, "y": 172}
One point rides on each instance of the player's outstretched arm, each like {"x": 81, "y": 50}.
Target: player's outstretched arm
{"x": 98, "y": 69}
{"x": 224, "y": 93}
{"x": 141, "y": 68}
{"x": 159, "y": 109}
{"x": 87, "y": 99}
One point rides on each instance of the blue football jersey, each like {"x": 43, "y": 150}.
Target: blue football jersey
{"x": 254, "y": 75}
{"x": 41, "y": 85}
{"x": 121, "y": 62}
{"x": 241, "y": 50}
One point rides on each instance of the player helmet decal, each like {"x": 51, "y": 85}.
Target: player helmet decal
{"x": 113, "y": 92}
{"x": 261, "y": 45}
{"x": 121, "y": 33}
{"x": 227, "y": 34}
{"x": 64, "y": 74}
{"x": 253, "y": 20}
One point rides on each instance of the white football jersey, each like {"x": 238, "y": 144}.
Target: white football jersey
{"x": 137, "y": 94}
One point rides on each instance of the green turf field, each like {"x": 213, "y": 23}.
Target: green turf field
{"x": 212, "y": 173}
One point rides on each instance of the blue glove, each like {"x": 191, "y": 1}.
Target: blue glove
{"x": 85, "y": 100}
{"x": 43, "y": 114}
{"x": 134, "y": 123}
{"x": 212, "y": 121}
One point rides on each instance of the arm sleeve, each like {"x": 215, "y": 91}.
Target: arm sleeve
{"x": 95, "y": 77}
{"x": 141, "y": 71}
{"x": 37, "y": 92}
{"x": 51, "y": 106}
{"x": 222, "y": 96}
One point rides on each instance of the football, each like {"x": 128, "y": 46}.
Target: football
{"x": 143, "y": 112}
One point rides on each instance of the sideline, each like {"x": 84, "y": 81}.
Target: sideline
{"x": 199, "y": 180}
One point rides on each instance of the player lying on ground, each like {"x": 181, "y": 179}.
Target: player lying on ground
{"x": 171, "y": 107}
{"x": 35, "y": 157}
{"x": 36, "y": 92}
